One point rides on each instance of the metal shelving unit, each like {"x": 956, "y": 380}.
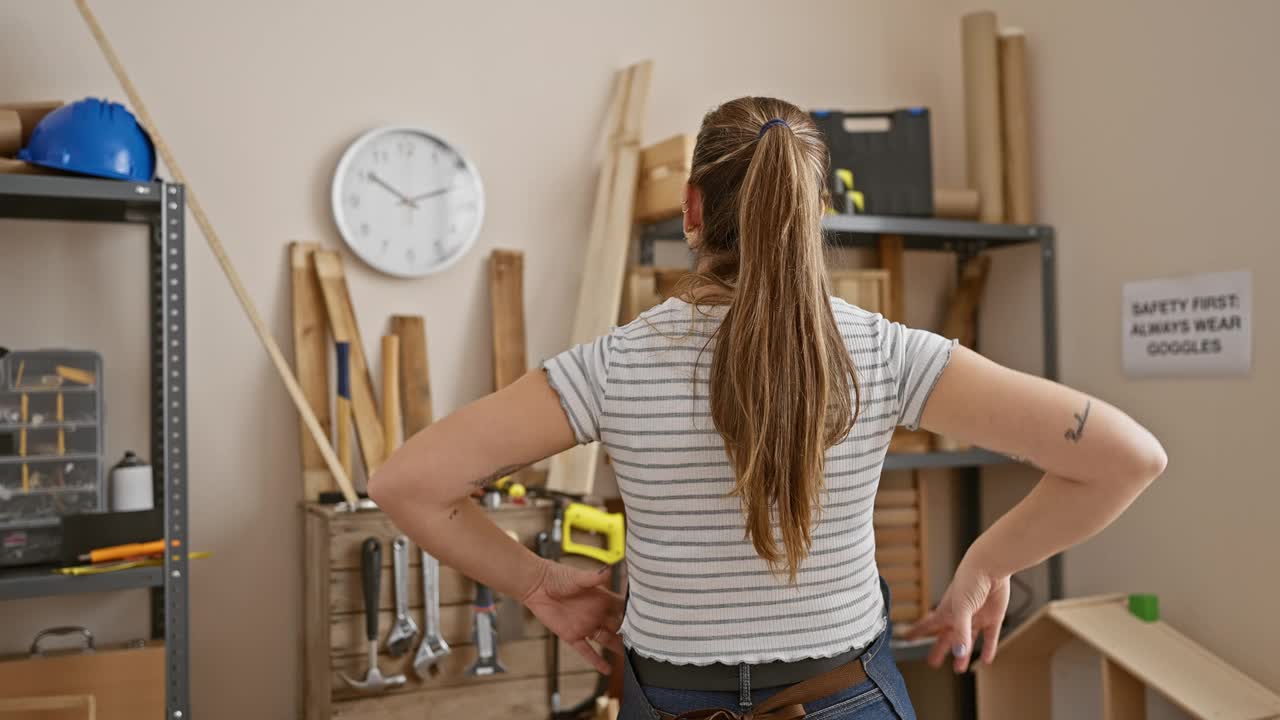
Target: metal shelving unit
{"x": 161, "y": 207}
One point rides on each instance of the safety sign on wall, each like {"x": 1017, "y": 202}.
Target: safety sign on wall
{"x": 1193, "y": 325}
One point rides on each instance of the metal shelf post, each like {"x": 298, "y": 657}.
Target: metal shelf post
{"x": 169, "y": 439}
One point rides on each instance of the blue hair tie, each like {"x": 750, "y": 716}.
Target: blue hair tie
{"x": 772, "y": 123}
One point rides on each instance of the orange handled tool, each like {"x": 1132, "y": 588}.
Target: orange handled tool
{"x": 120, "y": 552}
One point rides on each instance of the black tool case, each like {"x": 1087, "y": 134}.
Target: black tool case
{"x": 892, "y": 166}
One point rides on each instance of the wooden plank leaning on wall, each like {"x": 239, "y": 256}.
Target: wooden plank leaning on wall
{"x": 600, "y": 296}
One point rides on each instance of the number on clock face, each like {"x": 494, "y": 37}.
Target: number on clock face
{"x": 406, "y": 202}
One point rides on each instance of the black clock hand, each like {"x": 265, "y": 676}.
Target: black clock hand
{"x": 433, "y": 193}
{"x": 404, "y": 200}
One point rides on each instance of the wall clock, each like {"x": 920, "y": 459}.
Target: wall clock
{"x": 407, "y": 202}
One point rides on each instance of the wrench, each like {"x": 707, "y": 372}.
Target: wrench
{"x": 404, "y": 630}
{"x": 433, "y": 646}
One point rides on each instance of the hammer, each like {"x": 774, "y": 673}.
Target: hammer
{"x": 371, "y": 577}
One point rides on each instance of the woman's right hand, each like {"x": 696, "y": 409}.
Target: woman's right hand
{"x": 577, "y": 606}
{"x": 975, "y": 602}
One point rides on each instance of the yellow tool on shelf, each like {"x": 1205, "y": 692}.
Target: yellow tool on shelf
{"x": 592, "y": 519}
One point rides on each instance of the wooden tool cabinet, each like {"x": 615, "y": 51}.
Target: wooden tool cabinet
{"x": 334, "y": 639}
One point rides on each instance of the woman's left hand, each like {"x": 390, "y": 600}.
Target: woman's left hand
{"x": 575, "y": 605}
{"x": 975, "y": 602}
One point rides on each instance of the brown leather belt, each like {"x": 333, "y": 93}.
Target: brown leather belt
{"x": 787, "y": 704}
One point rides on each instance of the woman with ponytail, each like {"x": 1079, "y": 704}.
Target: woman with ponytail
{"x": 747, "y": 420}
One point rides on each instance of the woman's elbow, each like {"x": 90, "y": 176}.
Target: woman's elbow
{"x": 1149, "y": 460}
{"x": 389, "y": 485}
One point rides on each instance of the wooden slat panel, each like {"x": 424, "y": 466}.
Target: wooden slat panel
{"x": 906, "y": 574}
{"x": 896, "y": 498}
{"x": 315, "y": 602}
{"x": 521, "y": 658}
{"x": 525, "y": 698}
{"x": 895, "y": 535}
{"x": 346, "y": 632}
{"x": 506, "y": 305}
{"x": 907, "y": 612}
{"x": 311, "y": 352}
{"x": 906, "y": 592}
{"x": 345, "y": 594}
{"x": 415, "y": 377}
{"x": 898, "y": 555}
{"x": 895, "y": 517}
{"x": 342, "y": 324}
{"x": 867, "y": 289}
{"x": 348, "y": 531}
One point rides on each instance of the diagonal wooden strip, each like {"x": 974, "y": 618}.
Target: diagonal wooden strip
{"x": 342, "y": 323}
{"x": 220, "y": 253}
{"x": 311, "y": 362}
{"x": 506, "y": 300}
{"x": 600, "y": 296}
{"x": 415, "y": 377}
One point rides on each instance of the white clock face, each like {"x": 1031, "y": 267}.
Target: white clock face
{"x": 407, "y": 202}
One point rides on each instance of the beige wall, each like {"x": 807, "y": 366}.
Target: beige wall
{"x": 1155, "y": 156}
{"x": 258, "y": 100}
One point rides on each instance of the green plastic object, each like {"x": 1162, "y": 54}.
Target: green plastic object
{"x": 1145, "y": 607}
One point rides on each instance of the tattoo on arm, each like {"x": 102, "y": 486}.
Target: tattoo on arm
{"x": 1075, "y": 434}
{"x": 502, "y": 472}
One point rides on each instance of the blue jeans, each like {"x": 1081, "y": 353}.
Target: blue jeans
{"x": 883, "y": 696}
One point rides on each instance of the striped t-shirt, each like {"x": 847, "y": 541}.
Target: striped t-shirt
{"x": 699, "y": 593}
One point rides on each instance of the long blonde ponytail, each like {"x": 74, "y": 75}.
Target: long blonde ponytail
{"x": 782, "y": 384}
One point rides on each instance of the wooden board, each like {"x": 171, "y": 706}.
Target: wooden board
{"x": 895, "y": 535}
{"x": 892, "y": 259}
{"x": 1124, "y": 697}
{"x": 49, "y": 707}
{"x": 126, "y": 683}
{"x": 925, "y": 600}
{"x": 1168, "y": 662}
{"x": 391, "y": 422}
{"x": 348, "y": 531}
{"x": 415, "y": 377}
{"x": 1015, "y": 106}
{"x": 898, "y": 555}
{"x": 506, "y": 303}
{"x": 503, "y": 698}
{"x": 600, "y": 295}
{"x": 346, "y": 632}
{"x": 521, "y": 658}
{"x": 897, "y": 498}
{"x": 311, "y": 351}
{"x": 905, "y": 575}
{"x": 664, "y": 172}
{"x": 871, "y": 290}
{"x": 983, "y": 149}
{"x": 10, "y": 131}
{"x": 648, "y": 287}
{"x": 315, "y": 615}
{"x": 342, "y": 324}
{"x": 962, "y": 311}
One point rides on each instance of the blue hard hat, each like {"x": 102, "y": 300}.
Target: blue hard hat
{"x": 92, "y": 137}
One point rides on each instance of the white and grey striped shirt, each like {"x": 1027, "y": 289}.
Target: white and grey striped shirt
{"x": 699, "y": 594}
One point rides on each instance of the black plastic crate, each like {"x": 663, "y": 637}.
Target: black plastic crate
{"x": 891, "y": 165}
